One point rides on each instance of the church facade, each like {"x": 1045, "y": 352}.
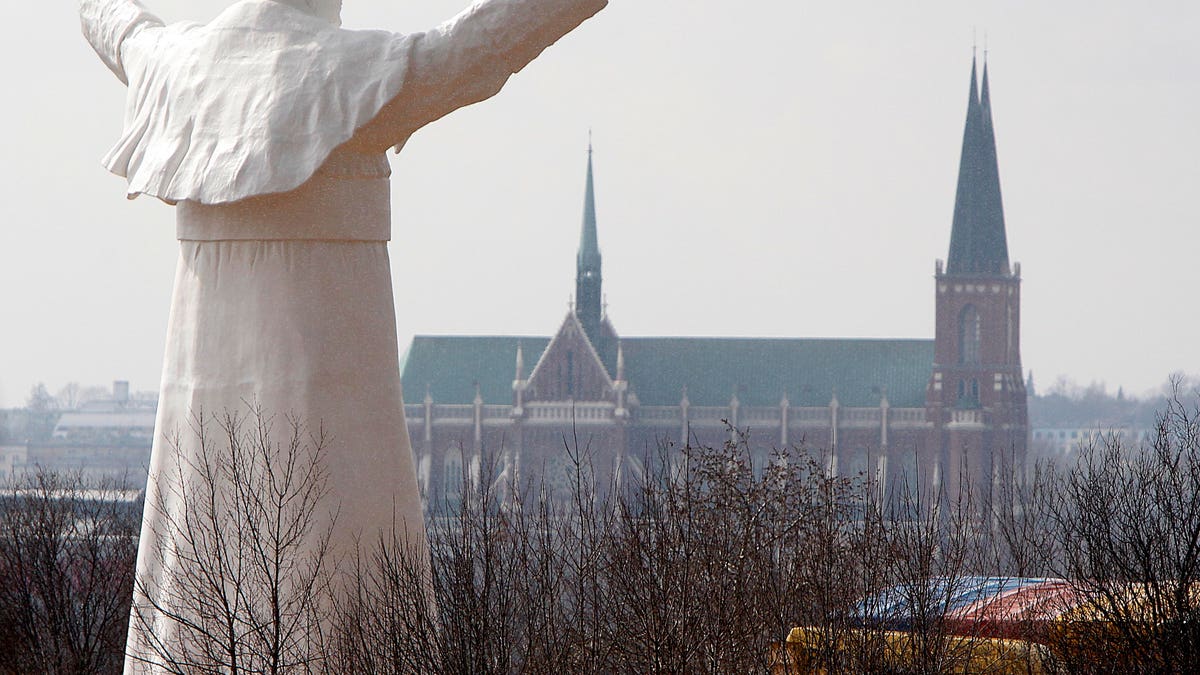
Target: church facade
{"x": 937, "y": 411}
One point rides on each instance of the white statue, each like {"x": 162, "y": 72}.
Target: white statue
{"x": 268, "y": 128}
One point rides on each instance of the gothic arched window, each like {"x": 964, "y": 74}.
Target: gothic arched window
{"x": 969, "y": 332}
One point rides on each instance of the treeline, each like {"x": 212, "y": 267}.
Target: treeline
{"x": 1066, "y": 403}
{"x": 698, "y": 563}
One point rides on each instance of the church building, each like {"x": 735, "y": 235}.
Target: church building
{"x": 914, "y": 409}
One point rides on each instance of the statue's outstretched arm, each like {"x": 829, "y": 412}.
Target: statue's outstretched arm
{"x": 108, "y": 23}
{"x": 469, "y": 58}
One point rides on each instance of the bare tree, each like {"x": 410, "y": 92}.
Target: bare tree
{"x": 387, "y": 620}
{"x": 1126, "y": 528}
{"x": 68, "y": 397}
{"x": 711, "y": 558}
{"x": 40, "y": 400}
{"x": 66, "y": 556}
{"x": 694, "y": 564}
{"x": 1015, "y": 538}
{"x": 499, "y": 579}
{"x": 242, "y": 546}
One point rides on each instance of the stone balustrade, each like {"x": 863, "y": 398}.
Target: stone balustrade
{"x": 595, "y": 412}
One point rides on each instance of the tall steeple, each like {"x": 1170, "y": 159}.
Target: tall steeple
{"x": 588, "y": 297}
{"x": 978, "y": 244}
{"x": 976, "y": 400}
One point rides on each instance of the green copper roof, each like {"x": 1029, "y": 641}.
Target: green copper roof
{"x": 760, "y": 370}
{"x": 450, "y": 366}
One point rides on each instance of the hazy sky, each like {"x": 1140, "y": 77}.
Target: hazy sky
{"x": 768, "y": 168}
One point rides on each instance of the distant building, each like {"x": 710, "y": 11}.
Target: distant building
{"x": 1064, "y": 420}
{"x": 12, "y": 457}
{"x": 1064, "y": 441}
{"x": 883, "y": 408}
{"x": 104, "y": 439}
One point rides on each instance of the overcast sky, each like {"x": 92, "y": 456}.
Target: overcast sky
{"x": 768, "y": 168}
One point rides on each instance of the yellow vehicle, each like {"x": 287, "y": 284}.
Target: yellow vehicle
{"x": 816, "y": 651}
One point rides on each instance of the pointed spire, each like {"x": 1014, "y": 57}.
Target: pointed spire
{"x": 588, "y": 295}
{"x": 520, "y": 362}
{"x": 589, "y": 245}
{"x": 995, "y": 237}
{"x": 978, "y": 244}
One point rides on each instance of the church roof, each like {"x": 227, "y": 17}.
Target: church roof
{"x": 762, "y": 370}
{"x": 759, "y": 370}
{"x": 449, "y": 367}
{"x": 978, "y": 244}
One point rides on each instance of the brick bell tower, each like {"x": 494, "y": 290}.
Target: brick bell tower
{"x": 976, "y": 399}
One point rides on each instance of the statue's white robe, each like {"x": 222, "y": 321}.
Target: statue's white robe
{"x": 268, "y": 128}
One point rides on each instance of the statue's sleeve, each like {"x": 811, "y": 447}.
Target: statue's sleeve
{"x": 108, "y": 23}
{"x": 469, "y": 58}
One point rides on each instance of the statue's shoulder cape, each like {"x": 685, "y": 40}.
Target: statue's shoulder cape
{"x": 249, "y": 104}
